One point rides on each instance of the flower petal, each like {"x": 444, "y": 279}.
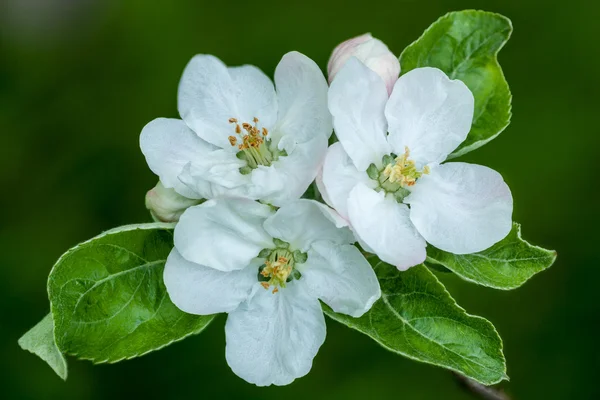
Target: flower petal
{"x": 339, "y": 178}
{"x": 461, "y": 208}
{"x": 200, "y": 290}
{"x": 210, "y": 94}
{"x": 289, "y": 177}
{"x": 384, "y": 225}
{"x": 430, "y": 114}
{"x": 302, "y": 97}
{"x": 341, "y": 277}
{"x": 224, "y": 234}
{"x": 302, "y": 222}
{"x": 168, "y": 145}
{"x": 273, "y": 337}
{"x": 192, "y": 177}
{"x": 220, "y": 167}
{"x": 357, "y": 98}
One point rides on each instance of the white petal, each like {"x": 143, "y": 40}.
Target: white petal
{"x": 196, "y": 289}
{"x": 289, "y": 177}
{"x": 192, "y": 177}
{"x": 461, "y": 208}
{"x": 384, "y": 225}
{"x": 357, "y": 98}
{"x": 168, "y": 145}
{"x": 210, "y": 94}
{"x": 321, "y": 187}
{"x": 224, "y": 234}
{"x": 221, "y": 167}
{"x": 339, "y": 178}
{"x": 428, "y": 113}
{"x": 302, "y": 222}
{"x": 302, "y": 98}
{"x": 341, "y": 277}
{"x": 273, "y": 337}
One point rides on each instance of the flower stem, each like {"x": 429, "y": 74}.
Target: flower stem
{"x": 479, "y": 390}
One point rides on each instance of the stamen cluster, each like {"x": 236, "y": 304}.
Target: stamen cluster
{"x": 254, "y": 146}
{"x": 279, "y": 265}
{"x": 404, "y": 170}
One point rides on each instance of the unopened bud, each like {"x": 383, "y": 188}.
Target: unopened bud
{"x": 166, "y": 205}
{"x": 371, "y": 52}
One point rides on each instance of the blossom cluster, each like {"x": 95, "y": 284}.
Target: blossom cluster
{"x": 234, "y": 168}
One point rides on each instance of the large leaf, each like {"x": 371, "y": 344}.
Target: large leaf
{"x": 108, "y": 298}
{"x": 506, "y": 265}
{"x": 417, "y": 318}
{"x": 40, "y": 341}
{"x": 465, "y": 45}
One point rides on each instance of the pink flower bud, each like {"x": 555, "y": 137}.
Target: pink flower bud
{"x": 371, "y": 52}
{"x": 166, "y": 205}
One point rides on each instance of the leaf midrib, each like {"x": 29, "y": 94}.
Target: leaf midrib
{"x": 397, "y": 315}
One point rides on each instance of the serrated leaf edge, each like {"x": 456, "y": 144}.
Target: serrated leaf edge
{"x": 62, "y": 358}
{"x": 125, "y": 228}
{"x": 501, "y": 354}
{"x": 551, "y": 253}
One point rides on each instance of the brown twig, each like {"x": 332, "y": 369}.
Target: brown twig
{"x": 479, "y": 390}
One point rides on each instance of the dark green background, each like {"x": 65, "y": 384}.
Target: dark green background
{"x": 79, "y": 79}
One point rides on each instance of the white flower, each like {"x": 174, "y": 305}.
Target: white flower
{"x": 384, "y": 176}
{"x": 240, "y": 137}
{"x": 370, "y": 51}
{"x": 268, "y": 270}
{"x": 166, "y": 205}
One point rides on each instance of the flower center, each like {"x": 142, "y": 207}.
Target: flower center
{"x": 278, "y": 268}
{"x": 253, "y": 145}
{"x": 399, "y": 173}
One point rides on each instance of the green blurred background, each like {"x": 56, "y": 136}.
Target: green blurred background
{"x": 79, "y": 79}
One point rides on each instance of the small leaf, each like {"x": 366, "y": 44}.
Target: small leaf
{"x": 417, "y": 318}
{"x": 39, "y": 340}
{"x": 506, "y": 265}
{"x": 465, "y": 44}
{"x": 108, "y": 298}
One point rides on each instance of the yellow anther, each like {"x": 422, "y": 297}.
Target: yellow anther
{"x": 404, "y": 170}
{"x": 278, "y": 272}
{"x": 232, "y": 120}
{"x": 232, "y": 140}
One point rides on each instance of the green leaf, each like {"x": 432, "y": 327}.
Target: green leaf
{"x": 108, "y": 298}
{"x": 39, "y": 340}
{"x": 506, "y": 265}
{"x": 465, "y": 44}
{"x": 417, "y": 318}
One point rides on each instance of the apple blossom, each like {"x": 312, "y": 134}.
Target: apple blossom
{"x": 268, "y": 269}
{"x": 238, "y": 135}
{"x": 385, "y": 175}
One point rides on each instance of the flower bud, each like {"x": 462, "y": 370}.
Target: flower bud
{"x": 166, "y": 205}
{"x": 371, "y": 52}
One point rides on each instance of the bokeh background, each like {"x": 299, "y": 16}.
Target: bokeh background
{"x": 79, "y": 80}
